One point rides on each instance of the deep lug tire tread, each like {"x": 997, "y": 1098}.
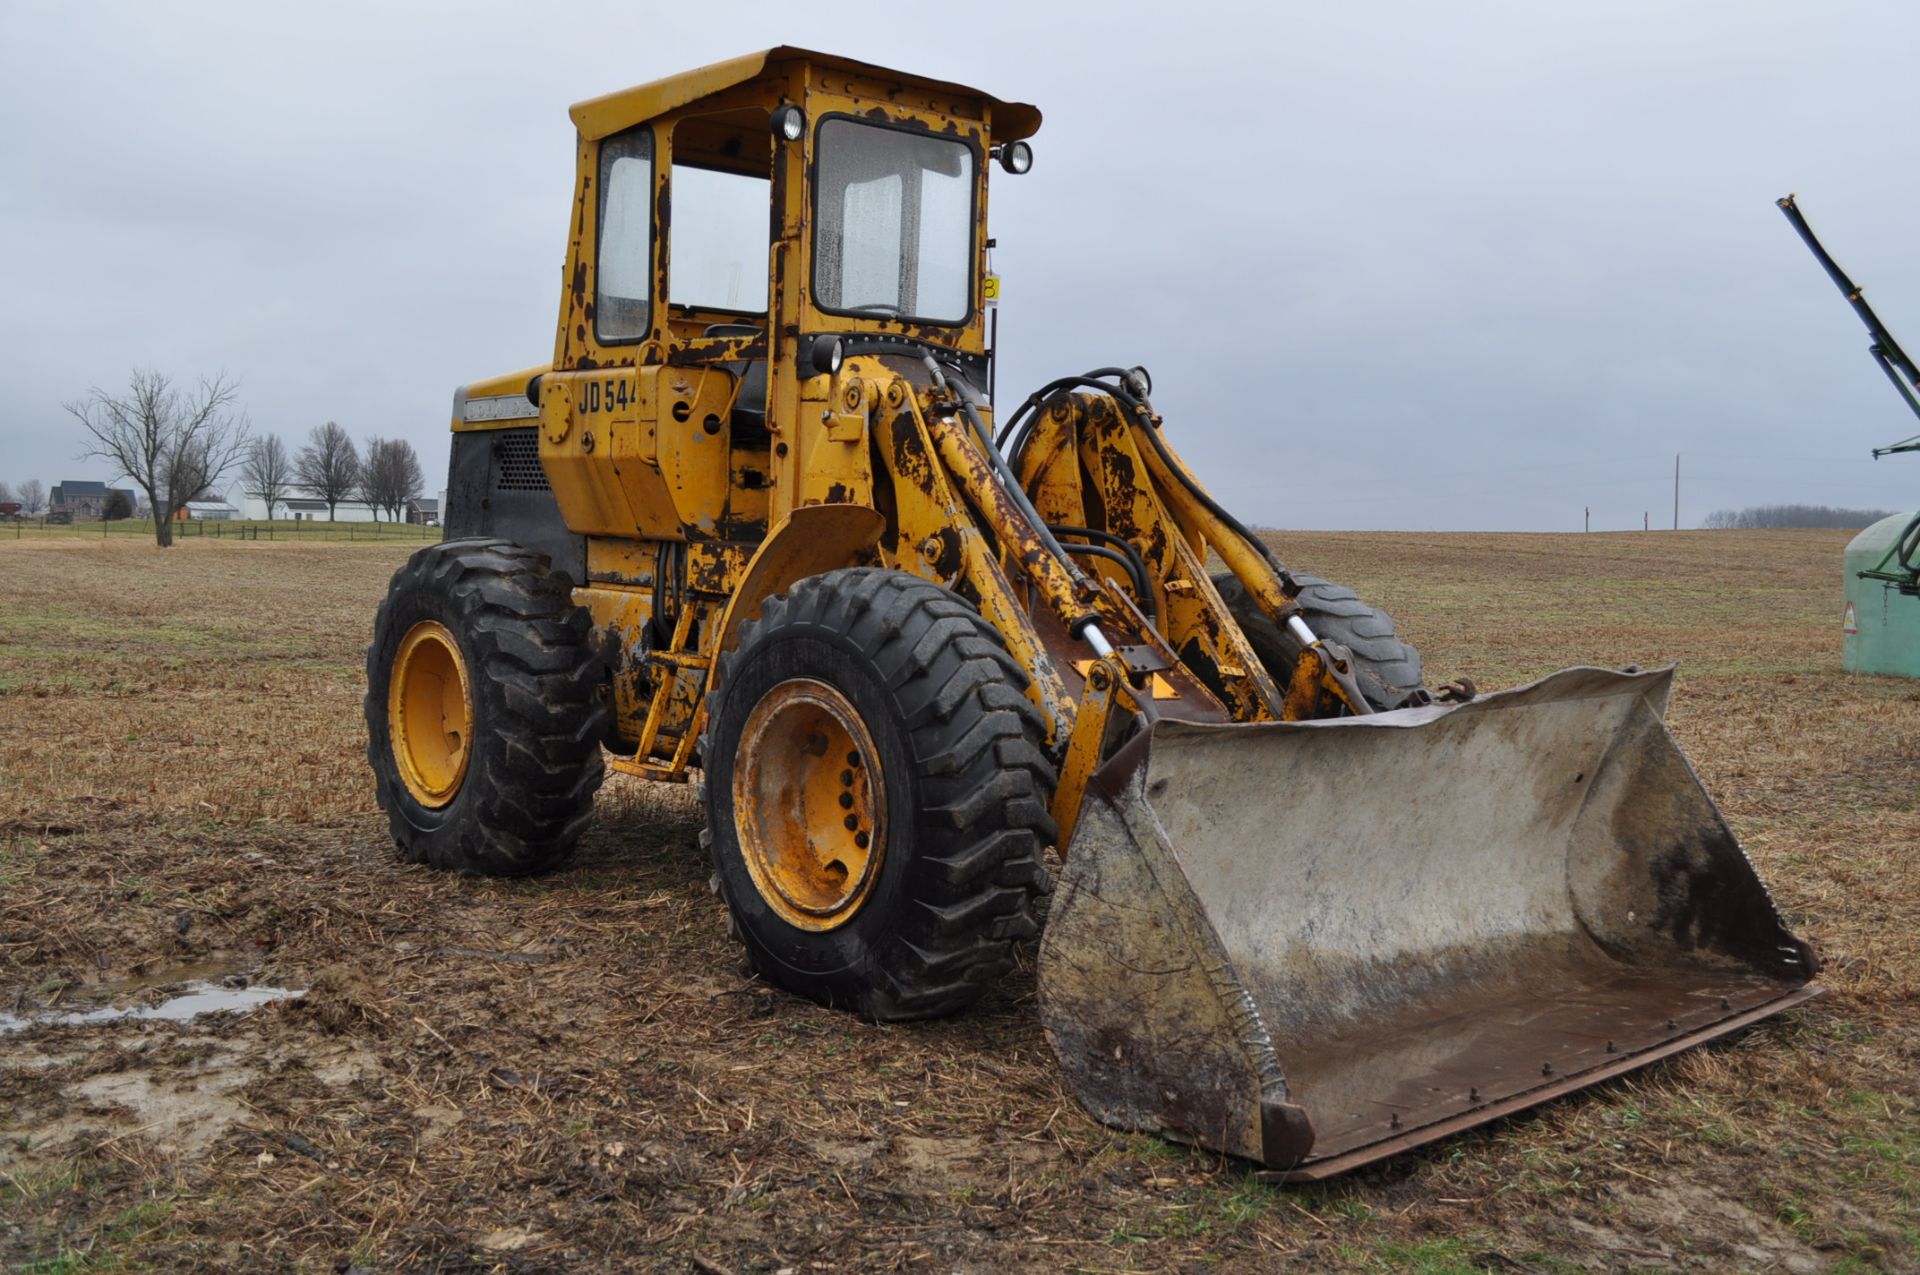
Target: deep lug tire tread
{"x": 981, "y": 773}
{"x": 1387, "y": 667}
{"x": 535, "y": 675}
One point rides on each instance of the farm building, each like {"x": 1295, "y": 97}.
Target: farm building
{"x": 207, "y": 511}
{"x": 84, "y": 498}
{"x": 299, "y": 505}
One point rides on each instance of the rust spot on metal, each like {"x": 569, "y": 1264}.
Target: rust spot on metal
{"x": 910, "y": 460}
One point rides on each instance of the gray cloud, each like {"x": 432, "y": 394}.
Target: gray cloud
{"x": 1401, "y": 266}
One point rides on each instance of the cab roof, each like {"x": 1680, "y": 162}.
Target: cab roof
{"x": 598, "y": 117}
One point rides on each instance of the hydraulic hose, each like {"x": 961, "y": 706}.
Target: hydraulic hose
{"x": 1115, "y": 556}
{"x": 1115, "y": 549}
{"x": 1046, "y": 394}
{"x": 1212, "y": 506}
{"x": 1138, "y": 410}
{"x": 1005, "y": 472}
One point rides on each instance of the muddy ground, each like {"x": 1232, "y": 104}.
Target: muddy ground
{"x": 573, "y": 1073}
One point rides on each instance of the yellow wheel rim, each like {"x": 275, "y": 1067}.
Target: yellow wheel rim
{"x": 809, "y": 804}
{"x": 430, "y": 713}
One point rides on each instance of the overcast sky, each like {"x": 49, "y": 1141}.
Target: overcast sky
{"x": 1406, "y": 266}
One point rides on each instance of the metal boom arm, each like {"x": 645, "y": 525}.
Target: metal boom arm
{"x": 1885, "y": 350}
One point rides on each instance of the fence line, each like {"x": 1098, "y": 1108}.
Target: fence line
{"x": 215, "y": 529}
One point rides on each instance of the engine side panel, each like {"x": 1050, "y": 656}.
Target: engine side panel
{"x": 497, "y": 487}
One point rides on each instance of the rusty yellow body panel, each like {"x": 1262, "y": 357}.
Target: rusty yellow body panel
{"x": 709, "y": 450}
{"x": 622, "y": 575}
{"x": 498, "y": 402}
{"x": 810, "y": 540}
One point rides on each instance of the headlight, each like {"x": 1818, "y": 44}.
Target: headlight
{"x": 789, "y": 122}
{"x": 1016, "y": 157}
{"x": 824, "y": 355}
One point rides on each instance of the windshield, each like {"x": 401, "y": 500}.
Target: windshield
{"x": 893, "y": 223}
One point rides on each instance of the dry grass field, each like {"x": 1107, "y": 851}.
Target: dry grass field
{"x": 573, "y": 1073}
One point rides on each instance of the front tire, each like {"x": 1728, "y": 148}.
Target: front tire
{"x": 1387, "y": 668}
{"x": 877, "y": 793}
{"x": 484, "y": 710}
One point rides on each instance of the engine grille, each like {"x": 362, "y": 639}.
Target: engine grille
{"x": 516, "y": 458}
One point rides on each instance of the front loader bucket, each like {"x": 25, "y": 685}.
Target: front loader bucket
{"x": 1315, "y": 944}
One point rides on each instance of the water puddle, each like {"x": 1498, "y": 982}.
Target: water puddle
{"x": 198, "y": 994}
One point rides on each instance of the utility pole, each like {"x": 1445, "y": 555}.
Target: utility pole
{"x": 1589, "y": 518}
{"x": 1676, "y": 491}
{"x": 1644, "y": 516}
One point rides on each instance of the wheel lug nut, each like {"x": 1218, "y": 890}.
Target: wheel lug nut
{"x": 853, "y": 760}
{"x": 851, "y": 822}
{"x": 846, "y": 801}
{"x": 846, "y": 778}
{"x": 861, "y": 839}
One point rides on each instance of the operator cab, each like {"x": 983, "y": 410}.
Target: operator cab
{"x": 732, "y": 215}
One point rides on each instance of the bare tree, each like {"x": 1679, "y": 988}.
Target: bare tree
{"x": 371, "y": 485}
{"x": 268, "y": 472}
{"x": 32, "y": 497}
{"x": 391, "y": 477}
{"x": 329, "y": 465}
{"x": 407, "y": 480}
{"x": 170, "y": 443}
{"x": 6, "y": 494}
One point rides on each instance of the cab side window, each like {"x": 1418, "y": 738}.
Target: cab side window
{"x": 620, "y": 311}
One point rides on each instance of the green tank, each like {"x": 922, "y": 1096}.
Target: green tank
{"x": 1881, "y": 625}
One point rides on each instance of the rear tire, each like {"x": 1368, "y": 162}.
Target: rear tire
{"x": 945, "y": 773}
{"x": 522, "y": 697}
{"x": 1387, "y": 668}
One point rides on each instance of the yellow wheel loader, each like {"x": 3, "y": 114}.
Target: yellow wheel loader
{"x": 758, "y": 520}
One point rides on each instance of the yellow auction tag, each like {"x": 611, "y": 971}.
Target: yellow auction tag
{"x": 990, "y": 289}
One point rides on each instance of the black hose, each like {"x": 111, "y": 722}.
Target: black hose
{"x": 1046, "y": 392}
{"x": 1138, "y": 409}
{"x": 1017, "y": 492}
{"x": 1194, "y": 489}
{"x": 1106, "y": 538}
{"x": 1045, "y": 395}
{"x": 1122, "y": 553}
